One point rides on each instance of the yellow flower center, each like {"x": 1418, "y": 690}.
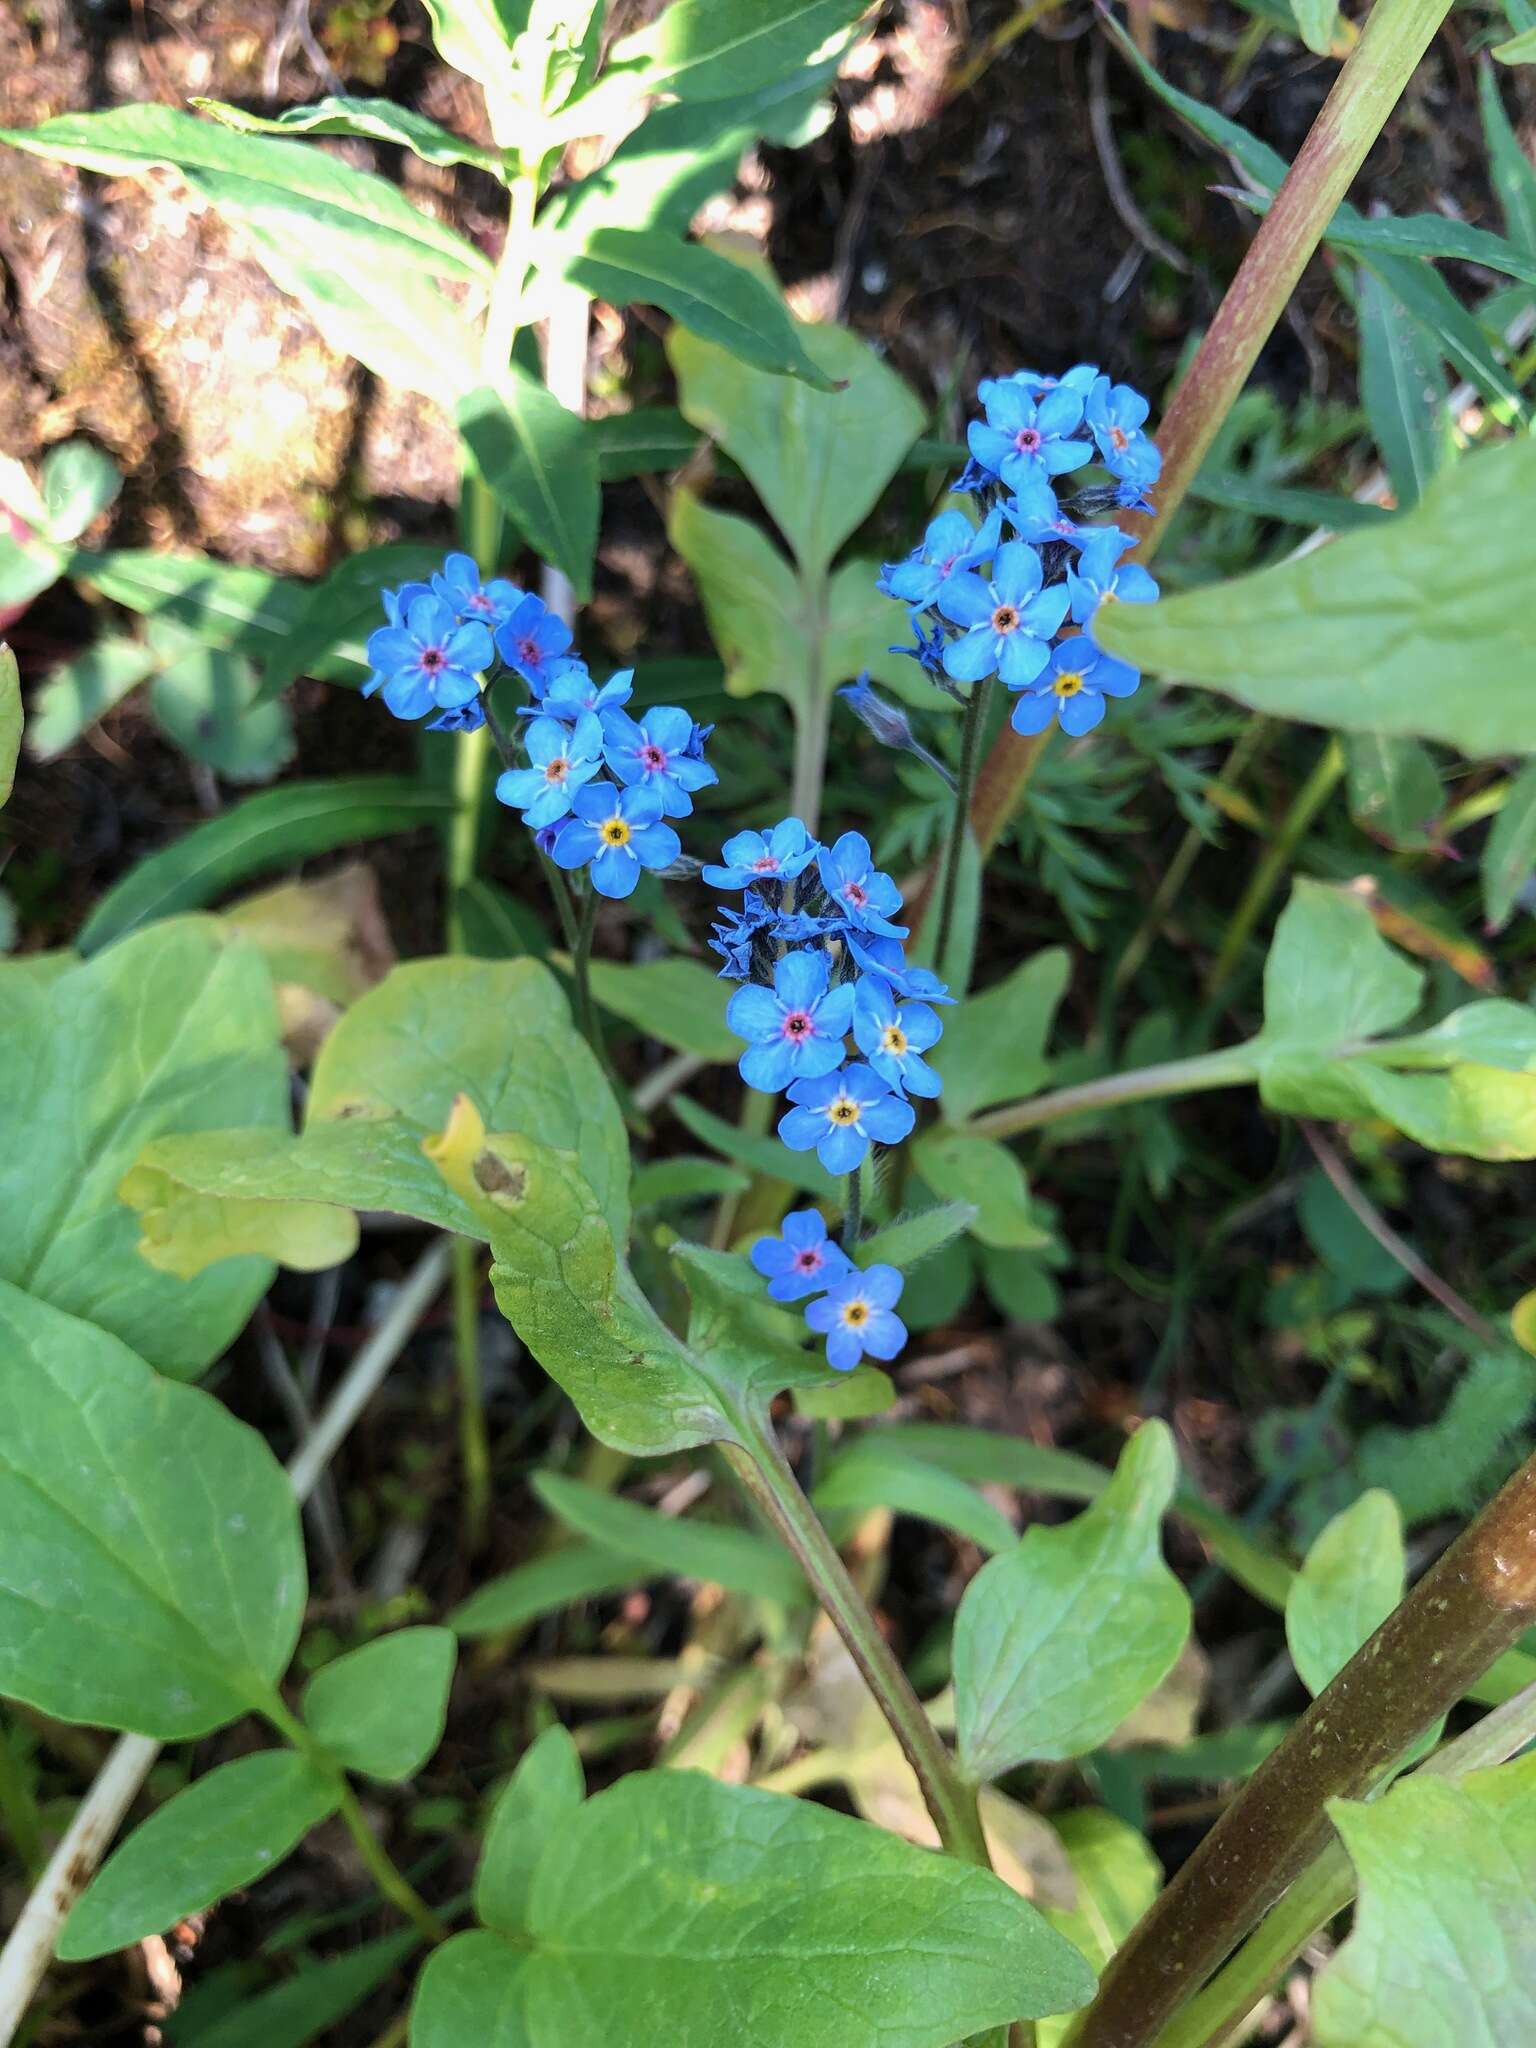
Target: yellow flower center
{"x": 1068, "y": 683}
{"x": 855, "y": 1313}
{"x": 893, "y": 1039}
{"x": 844, "y": 1110}
{"x": 614, "y": 832}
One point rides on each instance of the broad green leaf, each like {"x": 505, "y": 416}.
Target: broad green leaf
{"x": 476, "y": 37}
{"x": 1494, "y": 1033}
{"x": 748, "y": 1346}
{"x": 277, "y": 829}
{"x": 1355, "y": 635}
{"x": 380, "y": 120}
{"x": 760, "y": 1154}
{"x": 538, "y": 1801}
{"x": 76, "y": 693}
{"x": 641, "y": 442}
{"x": 1056, "y": 1641}
{"x": 303, "y": 2007}
{"x": 153, "y": 1571}
{"x": 982, "y": 1171}
{"x": 821, "y": 1932}
{"x": 174, "y": 1030}
{"x": 10, "y": 721}
{"x": 712, "y": 49}
{"x": 1318, "y": 21}
{"x": 1443, "y": 1949}
{"x": 1403, "y": 391}
{"x": 872, "y": 1476}
{"x": 208, "y": 703}
{"x": 380, "y": 1709}
{"x": 912, "y": 1238}
{"x": 1330, "y": 977}
{"x": 1349, "y": 1582}
{"x": 818, "y": 459}
{"x": 1520, "y": 49}
{"x": 330, "y": 632}
{"x": 28, "y": 568}
{"x": 676, "y": 1000}
{"x": 543, "y": 1586}
{"x": 227, "y": 1829}
{"x": 1484, "y": 1112}
{"x": 80, "y": 481}
{"x": 541, "y": 463}
{"x": 993, "y": 1048}
{"x": 224, "y": 604}
{"x": 1117, "y": 1877}
{"x": 711, "y": 296}
{"x": 681, "y": 1548}
{"x": 1509, "y": 858}
{"x": 751, "y": 600}
{"x": 409, "y": 1078}
{"x": 866, "y": 630}
{"x": 472, "y": 1987}
{"x": 1394, "y": 788}
{"x": 1510, "y": 169}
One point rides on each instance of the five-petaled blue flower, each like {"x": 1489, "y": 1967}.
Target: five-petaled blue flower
{"x": 458, "y": 584}
{"x": 842, "y": 1115}
{"x": 1036, "y": 516}
{"x": 1077, "y": 679}
{"x": 1079, "y": 378}
{"x": 653, "y": 753}
{"x": 620, "y": 832}
{"x": 428, "y": 660}
{"x": 1116, "y": 416}
{"x": 796, "y": 1028}
{"x": 1102, "y": 578}
{"x": 950, "y": 543}
{"x": 884, "y": 957}
{"x": 561, "y": 761}
{"x": 894, "y": 1036}
{"x": 1024, "y": 438}
{"x": 803, "y": 1261}
{"x": 864, "y": 896}
{"x": 532, "y": 639}
{"x": 857, "y": 1316}
{"x": 572, "y": 691}
{"x": 776, "y": 856}
{"x": 1008, "y": 621}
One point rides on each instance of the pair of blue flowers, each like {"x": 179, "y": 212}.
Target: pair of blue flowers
{"x": 817, "y": 947}
{"x": 434, "y": 654}
{"x": 990, "y": 599}
{"x": 856, "y": 1310}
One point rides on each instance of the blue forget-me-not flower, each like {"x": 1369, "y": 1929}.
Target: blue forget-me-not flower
{"x": 857, "y": 1316}
{"x": 804, "y": 1260}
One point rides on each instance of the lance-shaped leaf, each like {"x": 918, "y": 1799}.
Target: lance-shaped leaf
{"x": 10, "y": 721}
{"x": 379, "y": 120}
{"x": 1401, "y": 629}
{"x": 541, "y": 463}
{"x": 173, "y": 1030}
{"x": 1059, "y": 1639}
{"x": 714, "y": 1552}
{"x": 1349, "y": 1582}
{"x": 225, "y": 1830}
{"x": 380, "y": 1709}
{"x": 671, "y": 1903}
{"x": 1443, "y": 1950}
{"x": 152, "y": 1576}
{"x": 712, "y": 49}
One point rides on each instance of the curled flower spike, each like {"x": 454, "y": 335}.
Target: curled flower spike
{"x": 950, "y": 543}
{"x": 749, "y": 857}
{"x": 842, "y": 1115}
{"x": 1116, "y": 416}
{"x": 797, "y": 1028}
{"x": 458, "y": 584}
{"x": 894, "y": 1036}
{"x": 736, "y": 934}
{"x": 616, "y": 832}
{"x": 1102, "y": 578}
{"x": 1007, "y": 621}
{"x": 1077, "y": 680}
{"x": 861, "y": 893}
{"x": 1025, "y": 438}
{"x": 653, "y": 754}
{"x": 803, "y": 1261}
{"x": 428, "y": 660}
{"x": 857, "y": 1317}
{"x": 531, "y": 639}
{"x": 561, "y": 762}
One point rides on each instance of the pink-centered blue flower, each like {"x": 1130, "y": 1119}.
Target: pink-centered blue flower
{"x": 561, "y": 761}
{"x": 572, "y": 691}
{"x": 532, "y": 639}
{"x": 653, "y": 753}
{"x": 857, "y": 1317}
{"x": 950, "y": 543}
{"x": 1024, "y": 438}
{"x": 1116, "y": 416}
{"x": 894, "y": 1036}
{"x": 1077, "y": 680}
{"x": 776, "y": 856}
{"x": 795, "y": 1029}
{"x": 861, "y": 893}
{"x": 1100, "y": 576}
{"x": 458, "y": 584}
{"x": 841, "y": 1115}
{"x": 428, "y": 660}
{"x": 884, "y": 958}
{"x": 804, "y": 1260}
{"x": 616, "y": 833}
{"x": 1007, "y": 622}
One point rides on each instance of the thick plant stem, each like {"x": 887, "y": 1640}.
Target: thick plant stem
{"x": 764, "y": 1471}
{"x": 954, "y": 852}
{"x": 1327, "y": 772}
{"x": 474, "y": 1441}
{"x": 1205, "y": 1070}
{"x": 1470, "y": 1607}
{"x": 1364, "y": 94}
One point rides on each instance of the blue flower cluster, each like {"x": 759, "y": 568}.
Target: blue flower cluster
{"x": 820, "y": 955}
{"x": 855, "y": 1312}
{"x": 448, "y": 641}
{"x": 990, "y": 599}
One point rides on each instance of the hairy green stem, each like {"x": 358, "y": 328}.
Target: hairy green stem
{"x": 853, "y": 1211}
{"x": 760, "y": 1464}
{"x": 474, "y": 1441}
{"x": 1327, "y": 773}
{"x": 1472, "y": 1605}
{"x": 954, "y": 852}
{"x": 1231, "y": 1069}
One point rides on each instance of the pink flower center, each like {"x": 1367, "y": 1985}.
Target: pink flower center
{"x": 529, "y": 651}
{"x": 797, "y": 1026}
{"x": 651, "y": 756}
{"x": 808, "y": 1261}
{"x": 433, "y": 660}
{"x": 481, "y": 603}
{"x": 1028, "y": 440}
{"x": 856, "y": 894}
{"x": 765, "y": 864}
